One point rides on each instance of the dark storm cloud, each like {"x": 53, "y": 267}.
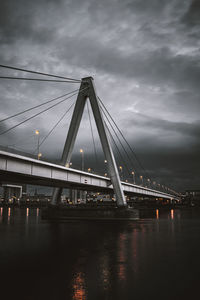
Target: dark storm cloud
{"x": 17, "y": 21}
{"x": 163, "y": 126}
{"x": 144, "y": 56}
{"x": 192, "y": 16}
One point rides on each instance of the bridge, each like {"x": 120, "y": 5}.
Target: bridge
{"x": 22, "y": 169}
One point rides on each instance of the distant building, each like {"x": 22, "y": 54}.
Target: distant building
{"x": 192, "y": 197}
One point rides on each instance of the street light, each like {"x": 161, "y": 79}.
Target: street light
{"x": 89, "y": 170}
{"x": 141, "y": 177}
{"x": 133, "y": 173}
{"x": 105, "y": 166}
{"x": 38, "y": 144}
{"x": 82, "y": 159}
{"x": 149, "y": 181}
{"x": 121, "y": 170}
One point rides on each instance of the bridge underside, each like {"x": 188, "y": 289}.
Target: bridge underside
{"x": 25, "y": 179}
{"x": 19, "y": 169}
{"x": 18, "y": 178}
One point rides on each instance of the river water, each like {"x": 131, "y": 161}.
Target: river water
{"x": 156, "y": 257}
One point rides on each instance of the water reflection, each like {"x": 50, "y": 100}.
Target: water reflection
{"x": 134, "y": 248}
{"x": 78, "y": 286}
{"x": 27, "y": 215}
{"x": 172, "y": 214}
{"x": 122, "y": 256}
{"x": 9, "y": 215}
{"x": 99, "y": 261}
{"x": 6, "y": 215}
{"x": 1, "y": 215}
{"x": 105, "y": 271}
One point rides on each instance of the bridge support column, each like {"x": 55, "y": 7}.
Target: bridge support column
{"x": 73, "y": 196}
{"x": 101, "y": 127}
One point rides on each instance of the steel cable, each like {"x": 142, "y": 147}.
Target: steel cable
{"x": 39, "y": 73}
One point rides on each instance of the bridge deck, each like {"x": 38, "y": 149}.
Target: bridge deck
{"x": 21, "y": 169}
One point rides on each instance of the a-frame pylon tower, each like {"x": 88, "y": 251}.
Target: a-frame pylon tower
{"x": 87, "y": 90}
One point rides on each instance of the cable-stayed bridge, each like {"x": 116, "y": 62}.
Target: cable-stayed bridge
{"x": 23, "y": 169}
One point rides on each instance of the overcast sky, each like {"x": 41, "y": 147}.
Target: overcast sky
{"x": 145, "y": 59}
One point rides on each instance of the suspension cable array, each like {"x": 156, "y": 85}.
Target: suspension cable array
{"x": 36, "y": 106}
{"x": 37, "y": 114}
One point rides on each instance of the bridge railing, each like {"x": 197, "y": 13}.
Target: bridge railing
{"x": 23, "y": 153}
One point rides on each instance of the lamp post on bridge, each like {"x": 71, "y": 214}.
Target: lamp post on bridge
{"x": 38, "y": 144}
{"x": 82, "y": 159}
{"x": 121, "y": 171}
{"x": 141, "y": 177}
{"x": 133, "y": 173}
{"x": 149, "y": 182}
{"x": 105, "y": 168}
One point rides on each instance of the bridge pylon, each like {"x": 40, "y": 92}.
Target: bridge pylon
{"x": 87, "y": 91}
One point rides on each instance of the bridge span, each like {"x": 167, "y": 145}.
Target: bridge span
{"x": 21, "y": 169}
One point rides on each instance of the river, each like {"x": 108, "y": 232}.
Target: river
{"x": 155, "y": 257}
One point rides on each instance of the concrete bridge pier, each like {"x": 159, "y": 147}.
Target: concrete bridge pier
{"x": 73, "y": 196}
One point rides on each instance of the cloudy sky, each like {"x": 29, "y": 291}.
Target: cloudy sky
{"x": 144, "y": 57}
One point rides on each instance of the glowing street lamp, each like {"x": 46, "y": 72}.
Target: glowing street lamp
{"x": 141, "y": 177}
{"x": 149, "y": 181}
{"x": 121, "y": 170}
{"x": 133, "y": 173}
{"x": 38, "y": 144}
{"x": 105, "y": 166}
{"x": 89, "y": 170}
{"x": 82, "y": 159}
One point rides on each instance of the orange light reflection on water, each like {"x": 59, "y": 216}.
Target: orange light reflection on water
{"x": 9, "y": 215}
{"x": 121, "y": 255}
{"x": 172, "y": 214}
{"x": 134, "y": 245}
{"x": 157, "y": 213}
{"x": 79, "y": 287}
